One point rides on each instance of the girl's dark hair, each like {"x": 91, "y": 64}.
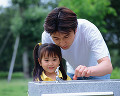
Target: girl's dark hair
{"x": 39, "y": 52}
{"x": 62, "y": 20}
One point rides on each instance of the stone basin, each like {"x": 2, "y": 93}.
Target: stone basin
{"x": 74, "y": 87}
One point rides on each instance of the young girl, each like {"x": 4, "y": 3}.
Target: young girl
{"x": 47, "y": 57}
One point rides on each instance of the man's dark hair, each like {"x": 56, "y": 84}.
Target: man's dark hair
{"x": 60, "y": 19}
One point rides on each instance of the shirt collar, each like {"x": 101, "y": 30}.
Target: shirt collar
{"x": 45, "y": 78}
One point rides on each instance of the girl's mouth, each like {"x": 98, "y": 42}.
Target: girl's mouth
{"x": 51, "y": 67}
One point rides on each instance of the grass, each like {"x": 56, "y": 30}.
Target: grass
{"x": 115, "y": 73}
{"x": 16, "y": 87}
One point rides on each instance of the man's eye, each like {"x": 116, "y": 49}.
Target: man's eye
{"x": 66, "y": 36}
{"x": 54, "y": 59}
{"x": 56, "y": 39}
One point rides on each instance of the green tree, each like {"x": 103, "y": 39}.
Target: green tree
{"x": 28, "y": 24}
{"x": 113, "y": 37}
{"x": 92, "y": 10}
{"x": 6, "y": 38}
{"x": 24, "y": 19}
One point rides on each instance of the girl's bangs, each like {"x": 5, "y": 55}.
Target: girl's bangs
{"x": 49, "y": 52}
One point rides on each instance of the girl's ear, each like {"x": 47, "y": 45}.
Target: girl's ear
{"x": 39, "y": 61}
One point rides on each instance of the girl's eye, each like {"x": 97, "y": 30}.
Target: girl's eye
{"x": 46, "y": 60}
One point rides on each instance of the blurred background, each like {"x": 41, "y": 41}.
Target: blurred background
{"x": 21, "y": 26}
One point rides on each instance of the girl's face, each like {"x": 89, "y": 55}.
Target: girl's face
{"x": 50, "y": 64}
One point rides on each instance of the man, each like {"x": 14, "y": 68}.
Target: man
{"x": 83, "y": 46}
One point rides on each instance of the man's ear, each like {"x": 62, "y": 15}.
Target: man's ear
{"x": 75, "y": 30}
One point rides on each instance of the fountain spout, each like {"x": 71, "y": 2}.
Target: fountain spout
{"x": 57, "y": 77}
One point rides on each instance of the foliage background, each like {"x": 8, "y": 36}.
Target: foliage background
{"x": 25, "y": 18}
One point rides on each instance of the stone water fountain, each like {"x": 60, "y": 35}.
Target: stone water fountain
{"x": 109, "y": 87}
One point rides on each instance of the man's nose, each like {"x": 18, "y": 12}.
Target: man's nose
{"x": 62, "y": 43}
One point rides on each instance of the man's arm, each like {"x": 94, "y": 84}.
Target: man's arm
{"x": 104, "y": 67}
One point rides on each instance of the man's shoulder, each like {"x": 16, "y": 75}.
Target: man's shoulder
{"x": 84, "y": 22}
{"x": 46, "y": 38}
{"x": 45, "y": 34}
{"x": 80, "y": 21}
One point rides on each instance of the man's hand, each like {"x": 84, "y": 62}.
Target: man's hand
{"x": 81, "y": 71}
{"x": 103, "y": 67}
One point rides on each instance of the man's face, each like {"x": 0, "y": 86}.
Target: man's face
{"x": 63, "y": 40}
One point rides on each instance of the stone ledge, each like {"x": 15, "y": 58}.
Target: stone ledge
{"x": 74, "y": 86}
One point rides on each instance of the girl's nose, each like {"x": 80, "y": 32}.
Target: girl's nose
{"x": 50, "y": 63}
